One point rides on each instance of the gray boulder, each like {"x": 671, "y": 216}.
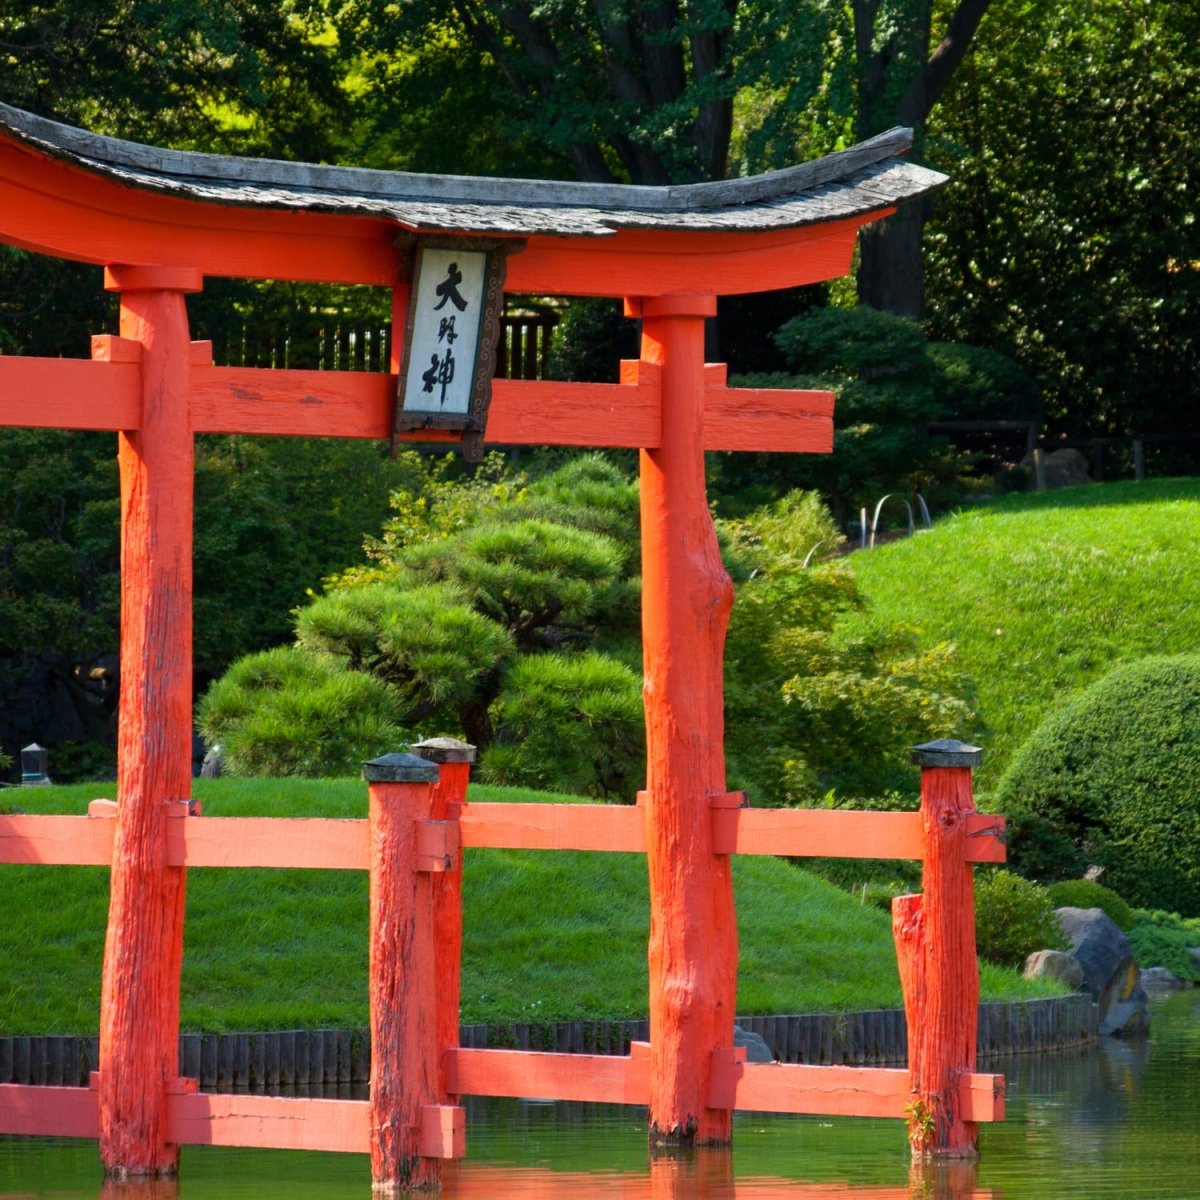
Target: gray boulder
{"x": 1060, "y": 468}
{"x": 1159, "y": 979}
{"x": 1055, "y": 964}
{"x": 757, "y": 1050}
{"x": 1110, "y": 974}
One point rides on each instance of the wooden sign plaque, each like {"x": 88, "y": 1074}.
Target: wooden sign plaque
{"x": 451, "y": 336}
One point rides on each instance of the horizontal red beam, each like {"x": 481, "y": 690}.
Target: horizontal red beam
{"x": 104, "y": 393}
{"x": 554, "y": 827}
{"x": 208, "y": 1119}
{"x": 221, "y": 1119}
{"x": 759, "y": 1087}
{"x": 765, "y": 419}
{"x": 335, "y": 844}
{"x": 604, "y": 1078}
{"x": 32, "y": 1111}
{"x": 268, "y": 1122}
{"x": 845, "y": 833}
{"x": 69, "y": 393}
{"x": 842, "y": 1091}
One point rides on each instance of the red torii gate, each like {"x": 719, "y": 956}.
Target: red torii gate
{"x": 159, "y": 221}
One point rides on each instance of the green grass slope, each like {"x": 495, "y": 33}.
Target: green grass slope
{"x": 1045, "y": 593}
{"x": 548, "y": 935}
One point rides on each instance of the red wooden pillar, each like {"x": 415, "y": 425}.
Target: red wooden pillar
{"x": 935, "y": 947}
{"x": 143, "y": 953}
{"x": 686, "y": 597}
{"x": 449, "y": 794}
{"x": 409, "y": 1129}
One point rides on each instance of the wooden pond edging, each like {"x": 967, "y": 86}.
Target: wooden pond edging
{"x": 329, "y": 1058}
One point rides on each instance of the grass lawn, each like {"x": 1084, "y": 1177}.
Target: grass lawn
{"x": 548, "y": 935}
{"x": 1045, "y": 593}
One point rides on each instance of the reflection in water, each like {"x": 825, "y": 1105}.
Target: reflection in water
{"x": 705, "y": 1175}
{"x": 1116, "y": 1123}
{"x": 140, "y": 1189}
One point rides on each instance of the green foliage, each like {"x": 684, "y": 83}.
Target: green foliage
{"x": 1013, "y": 918}
{"x": 571, "y": 721}
{"x": 852, "y": 343}
{"x": 532, "y": 577}
{"x": 591, "y": 338}
{"x": 974, "y": 383}
{"x": 812, "y": 715}
{"x": 1110, "y": 778}
{"x": 1069, "y": 239}
{"x": 1044, "y": 593}
{"x": 784, "y": 535}
{"x": 482, "y": 617}
{"x": 427, "y": 643}
{"x": 1162, "y": 939}
{"x": 433, "y": 501}
{"x": 75, "y": 762}
{"x": 272, "y": 515}
{"x": 890, "y": 385}
{"x": 252, "y": 76}
{"x": 289, "y": 711}
{"x": 1084, "y": 893}
{"x": 646, "y": 93}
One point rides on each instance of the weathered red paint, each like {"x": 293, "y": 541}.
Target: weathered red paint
{"x": 143, "y": 953}
{"x": 448, "y": 800}
{"x": 339, "y": 844}
{"x": 939, "y": 972}
{"x": 404, "y": 1048}
{"x": 686, "y": 598}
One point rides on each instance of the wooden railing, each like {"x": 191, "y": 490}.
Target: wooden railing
{"x": 412, "y": 842}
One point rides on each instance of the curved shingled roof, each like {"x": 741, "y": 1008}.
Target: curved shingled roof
{"x": 863, "y": 179}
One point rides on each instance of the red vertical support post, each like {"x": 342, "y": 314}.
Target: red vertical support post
{"x": 143, "y": 951}
{"x": 448, "y": 798}
{"x": 686, "y": 598}
{"x": 935, "y": 947}
{"x": 404, "y": 1055}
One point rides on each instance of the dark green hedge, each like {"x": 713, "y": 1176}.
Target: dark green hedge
{"x": 1113, "y": 778}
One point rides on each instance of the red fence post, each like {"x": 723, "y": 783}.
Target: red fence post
{"x": 449, "y": 795}
{"x": 402, "y": 976}
{"x": 686, "y": 598}
{"x": 143, "y": 950}
{"x": 935, "y": 950}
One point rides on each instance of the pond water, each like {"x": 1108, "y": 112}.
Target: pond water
{"x": 1121, "y": 1120}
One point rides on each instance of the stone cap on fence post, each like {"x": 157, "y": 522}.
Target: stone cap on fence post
{"x": 443, "y": 750}
{"x": 946, "y": 752}
{"x": 400, "y": 768}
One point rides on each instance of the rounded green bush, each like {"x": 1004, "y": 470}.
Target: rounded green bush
{"x": 1113, "y": 778}
{"x": 1013, "y": 918}
{"x": 1083, "y": 893}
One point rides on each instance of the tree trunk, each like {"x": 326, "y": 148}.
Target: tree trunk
{"x": 890, "y": 275}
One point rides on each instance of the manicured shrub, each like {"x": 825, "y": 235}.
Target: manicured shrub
{"x": 1113, "y": 778}
{"x": 1084, "y": 893}
{"x": 1013, "y": 918}
{"x": 289, "y": 711}
{"x": 570, "y": 723}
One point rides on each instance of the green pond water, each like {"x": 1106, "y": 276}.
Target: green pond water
{"x": 1121, "y": 1120}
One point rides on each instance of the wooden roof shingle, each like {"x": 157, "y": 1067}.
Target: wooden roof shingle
{"x": 865, "y": 178}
